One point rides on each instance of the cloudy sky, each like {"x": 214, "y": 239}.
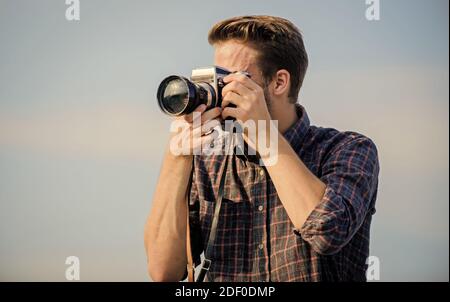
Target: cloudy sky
{"x": 81, "y": 135}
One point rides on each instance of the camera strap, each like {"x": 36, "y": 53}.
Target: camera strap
{"x": 190, "y": 261}
{"x": 212, "y": 233}
{"x": 206, "y": 264}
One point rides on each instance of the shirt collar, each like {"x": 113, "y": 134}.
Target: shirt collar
{"x": 297, "y": 132}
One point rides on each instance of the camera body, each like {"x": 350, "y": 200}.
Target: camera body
{"x": 212, "y": 76}
{"x": 178, "y": 95}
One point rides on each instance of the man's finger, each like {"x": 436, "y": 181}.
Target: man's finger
{"x": 190, "y": 117}
{"x": 231, "y": 112}
{"x": 232, "y": 98}
{"x": 211, "y": 114}
{"x": 209, "y": 125}
{"x": 205, "y": 128}
{"x": 236, "y": 87}
{"x": 241, "y": 78}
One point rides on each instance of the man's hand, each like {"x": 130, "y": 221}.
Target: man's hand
{"x": 196, "y": 130}
{"x": 250, "y": 103}
{"x": 248, "y": 97}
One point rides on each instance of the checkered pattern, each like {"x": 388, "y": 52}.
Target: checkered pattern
{"x": 256, "y": 241}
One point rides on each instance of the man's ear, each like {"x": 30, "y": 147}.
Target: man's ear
{"x": 281, "y": 82}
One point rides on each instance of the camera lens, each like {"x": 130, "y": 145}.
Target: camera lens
{"x": 173, "y": 95}
{"x": 178, "y": 95}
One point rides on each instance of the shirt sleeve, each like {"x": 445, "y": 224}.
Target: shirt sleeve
{"x": 351, "y": 177}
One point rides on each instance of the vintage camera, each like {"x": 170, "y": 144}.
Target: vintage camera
{"x": 178, "y": 95}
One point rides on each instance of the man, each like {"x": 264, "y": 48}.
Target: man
{"x": 305, "y": 218}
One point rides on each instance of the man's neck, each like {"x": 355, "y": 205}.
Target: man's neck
{"x": 286, "y": 116}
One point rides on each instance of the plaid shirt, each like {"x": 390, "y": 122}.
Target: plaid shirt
{"x": 256, "y": 240}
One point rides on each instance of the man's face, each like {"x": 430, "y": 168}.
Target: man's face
{"x": 236, "y": 56}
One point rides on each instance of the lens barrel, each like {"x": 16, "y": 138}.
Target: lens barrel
{"x": 178, "y": 95}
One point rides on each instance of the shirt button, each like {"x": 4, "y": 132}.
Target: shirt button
{"x": 260, "y": 246}
{"x": 260, "y": 208}
{"x": 261, "y": 172}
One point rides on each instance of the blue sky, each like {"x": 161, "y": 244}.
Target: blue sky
{"x": 81, "y": 135}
